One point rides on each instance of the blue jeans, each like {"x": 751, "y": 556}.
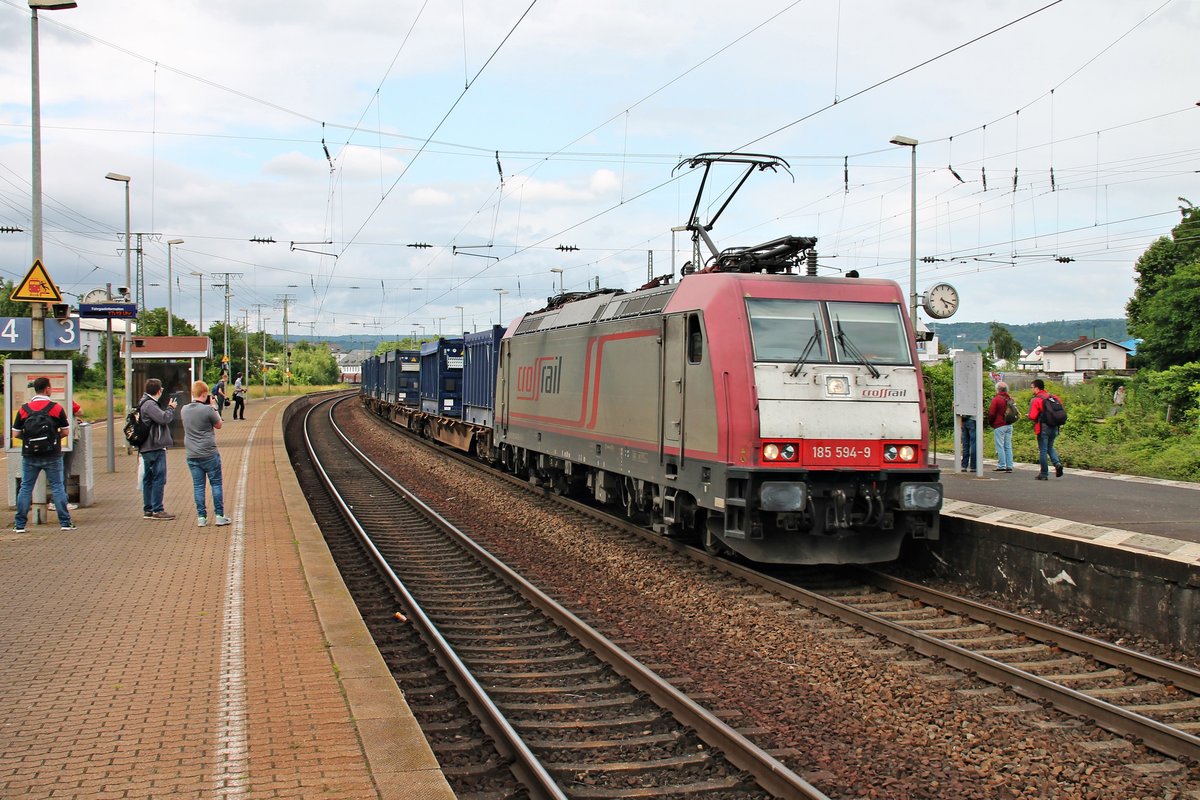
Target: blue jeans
{"x": 1046, "y": 448}
{"x": 968, "y": 443}
{"x": 1003, "y": 438}
{"x": 154, "y": 480}
{"x": 31, "y": 468}
{"x": 210, "y": 468}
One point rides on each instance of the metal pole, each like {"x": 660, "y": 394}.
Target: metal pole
{"x": 170, "y": 286}
{"x": 912, "y": 246}
{"x": 110, "y": 460}
{"x": 246, "y": 351}
{"x": 38, "y": 310}
{"x": 128, "y": 325}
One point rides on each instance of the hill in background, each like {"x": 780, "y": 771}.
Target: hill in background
{"x": 973, "y": 336}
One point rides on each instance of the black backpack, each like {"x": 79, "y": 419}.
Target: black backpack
{"x": 1053, "y": 413}
{"x": 137, "y": 430}
{"x": 39, "y": 433}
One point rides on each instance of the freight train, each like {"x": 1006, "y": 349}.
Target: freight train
{"x": 776, "y": 415}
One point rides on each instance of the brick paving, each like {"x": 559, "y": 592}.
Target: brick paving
{"x": 156, "y": 659}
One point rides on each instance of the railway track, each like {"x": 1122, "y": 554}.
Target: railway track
{"x": 1144, "y": 699}
{"x": 573, "y": 714}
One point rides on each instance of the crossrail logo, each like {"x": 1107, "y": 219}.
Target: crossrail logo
{"x": 544, "y": 376}
{"x": 884, "y": 392}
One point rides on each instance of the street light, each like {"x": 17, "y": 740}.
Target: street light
{"x": 560, "y": 278}
{"x": 170, "y": 311}
{"x": 500, "y": 304}
{"x": 125, "y": 179}
{"x": 200, "y": 280}
{"x": 905, "y": 141}
{"x": 462, "y": 319}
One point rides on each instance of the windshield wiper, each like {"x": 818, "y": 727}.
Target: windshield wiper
{"x": 850, "y": 348}
{"x": 813, "y": 340}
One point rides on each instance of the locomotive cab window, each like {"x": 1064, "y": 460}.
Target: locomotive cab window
{"x": 695, "y": 345}
{"x": 874, "y": 330}
{"x": 782, "y": 330}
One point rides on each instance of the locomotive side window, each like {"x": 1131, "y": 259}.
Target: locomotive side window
{"x": 695, "y": 339}
{"x": 876, "y": 330}
{"x": 783, "y": 329}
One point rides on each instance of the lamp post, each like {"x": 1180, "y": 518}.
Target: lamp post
{"x": 560, "y": 278}
{"x": 170, "y": 309}
{"x": 500, "y": 304}
{"x": 462, "y": 320}
{"x": 125, "y": 179}
{"x": 905, "y": 141}
{"x": 200, "y": 281}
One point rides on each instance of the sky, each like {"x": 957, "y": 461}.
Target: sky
{"x": 1055, "y": 140}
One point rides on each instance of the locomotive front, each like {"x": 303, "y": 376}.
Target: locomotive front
{"x": 830, "y": 464}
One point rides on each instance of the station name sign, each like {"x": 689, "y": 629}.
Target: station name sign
{"x": 108, "y": 310}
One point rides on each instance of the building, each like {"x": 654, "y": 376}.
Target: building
{"x": 1084, "y": 355}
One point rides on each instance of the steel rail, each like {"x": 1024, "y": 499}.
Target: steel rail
{"x": 767, "y": 771}
{"x": 1156, "y": 735}
{"x": 1178, "y": 675}
{"x": 528, "y": 767}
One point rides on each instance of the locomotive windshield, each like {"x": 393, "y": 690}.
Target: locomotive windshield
{"x": 783, "y": 329}
{"x": 786, "y": 330}
{"x": 876, "y": 330}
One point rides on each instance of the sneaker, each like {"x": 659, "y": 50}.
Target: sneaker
{"x": 201, "y": 522}
{"x": 999, "y": 469}
{"x": 18, "y": 529}
{"x": 68, "y": 526}
{"x": 221, "y": 520}
{"x": 161, "y": 515}
{"x": 1041, "y": 477}
{"x": 1058, "y": 470}
{"x": 148, "y": 515}
{"x": 1008, "y": 469}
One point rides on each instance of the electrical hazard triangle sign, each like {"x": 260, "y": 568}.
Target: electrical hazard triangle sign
{"x": 37, "y": 287}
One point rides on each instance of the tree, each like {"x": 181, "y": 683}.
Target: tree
{"x": 1161, "y": 260}
{"x": 1161, "y": 309}
{"x": 313, "y": 365}
{"x": 153, "y": 322}
{"x": 1002, "y": 344}
{"x": 1170, "y": 328}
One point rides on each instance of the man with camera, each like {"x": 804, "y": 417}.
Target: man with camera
{"x": 154, "y": 449}
{"x": 200, "y": 421}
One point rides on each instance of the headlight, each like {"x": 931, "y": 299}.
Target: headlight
{"x": 837, "y": 386}
{"x": 920, "y": 496}
{"x": 779, "y": 451}
{"x": 905, "y": 453}
{"x": 780, "y": 496}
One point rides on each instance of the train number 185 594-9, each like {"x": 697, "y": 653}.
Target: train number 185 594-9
{"x": 841, "y": 453}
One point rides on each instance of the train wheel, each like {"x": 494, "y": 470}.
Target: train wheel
{"x": 714, "y": 546}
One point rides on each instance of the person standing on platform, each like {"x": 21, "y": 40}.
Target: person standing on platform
{"x": 239, "y": 398}
{"x": 219, "y": 392}
{"x": 200, "y": 420}
{"x": 1046, "y": 433}
{"x": 41, "y": 425}
{"x": 154, "y": 449}
{"x": 1002, "y": 430}
{"x": 968, "y": 444}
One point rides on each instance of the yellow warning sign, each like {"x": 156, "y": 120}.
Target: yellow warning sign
{"x": 37, "y": 287}
{"x": 224, "y": 359}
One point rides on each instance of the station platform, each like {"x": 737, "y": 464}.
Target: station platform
{"x": 153, "y": 659}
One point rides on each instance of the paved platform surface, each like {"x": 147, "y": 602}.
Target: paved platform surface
{"x": 155, "y": 659}
{"x": 1141, "y": 515}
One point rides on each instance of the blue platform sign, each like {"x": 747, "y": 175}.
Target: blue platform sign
{"x": 108, "y": 310}
{"x": 16, "y": 333}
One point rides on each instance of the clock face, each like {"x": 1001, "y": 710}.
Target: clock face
{"x": 941, "y": 301}
{"x": 95, "y": 296}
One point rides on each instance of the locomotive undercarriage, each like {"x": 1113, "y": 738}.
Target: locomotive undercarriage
{"x": 842, "y": 519}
